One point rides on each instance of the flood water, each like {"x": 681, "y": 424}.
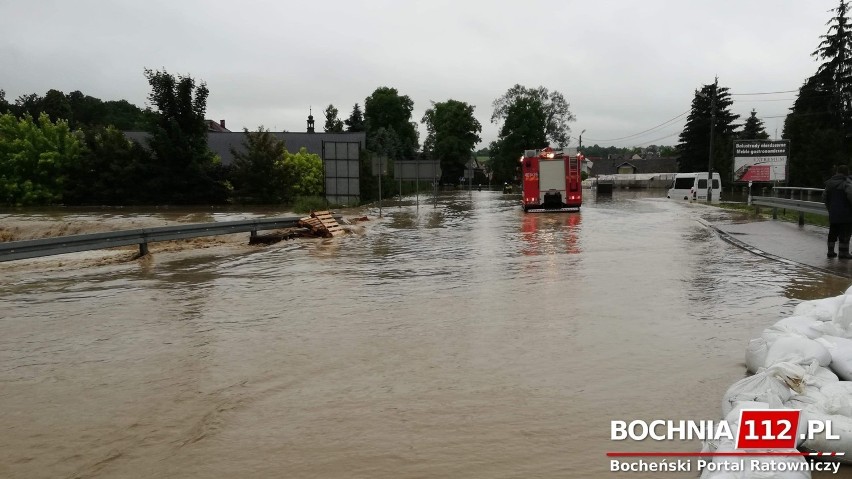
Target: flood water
{"x": 465, "y": 340}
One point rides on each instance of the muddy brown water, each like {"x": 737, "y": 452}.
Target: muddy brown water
{"x": 468, "y": 340}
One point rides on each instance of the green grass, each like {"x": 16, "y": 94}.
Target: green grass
{"x": 783, "y": 215}
{"x": 306, "y": 204}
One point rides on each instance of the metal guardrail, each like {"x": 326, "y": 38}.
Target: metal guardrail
{"x": 802, "y": 206}
{"x": 14, "y": 250}
{"x": 793, "y": 192}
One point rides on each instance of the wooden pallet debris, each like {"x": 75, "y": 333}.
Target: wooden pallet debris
{"x": 331, "y": 224}
{"x": 321, "y": 223}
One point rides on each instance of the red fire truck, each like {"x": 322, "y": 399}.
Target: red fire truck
{"x": 551, "y": 181}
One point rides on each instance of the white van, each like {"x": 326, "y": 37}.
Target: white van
{"x": 693, "y": 186}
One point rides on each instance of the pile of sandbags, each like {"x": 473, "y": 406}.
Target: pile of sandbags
{"x": 801, "y": 362}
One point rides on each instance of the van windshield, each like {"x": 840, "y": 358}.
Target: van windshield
{"x": 683, "y": 183}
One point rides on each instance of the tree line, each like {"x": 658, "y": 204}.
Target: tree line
{"x": 817, "y": 125}
{"x": 71, "y": 149}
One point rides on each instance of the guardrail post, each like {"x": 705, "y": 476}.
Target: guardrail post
{"x": 801, "y": 218}
{"x": 143, "y": 249}
{"x": 774, "y": 213}
{"x": 253, "y": 235}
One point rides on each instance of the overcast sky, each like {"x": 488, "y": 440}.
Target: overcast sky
{"x": 624, "y": 66}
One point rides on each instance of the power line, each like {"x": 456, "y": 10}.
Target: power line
{"x": 644, "y": 131}
{"x": 661, "y": 138}
{"x": 774, "y": 99}
{"x": 763, "y": 93}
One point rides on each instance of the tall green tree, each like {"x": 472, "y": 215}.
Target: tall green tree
{"x": 816, "y": 144}
{"x": 835, "y": 50}
{"x": 28, "y": 105}
{"x": 303, "y": 173}
{"x": 258, "y": 171}
{"x": 694, "y": 146}
{"x": 110, "y": 171}
{"x": 556, "y": 111}
{"x": 56, "y": 105}
{"x": 753, "y": 128}
{"x": 125, "y": 116}
{"x": 524, "y": 128}
{"x": 386, "y": 109}
{"x": 333, "y": 124}
{"x": 34, "y": 156}
{"x": 355, "y": 122}
{"x": 5, "y": 106}
{"x": 453, "y": 132}
{"x": 819, "y": 121}
{"x": 185, "y": 168}
{"x": 86, "y": 110}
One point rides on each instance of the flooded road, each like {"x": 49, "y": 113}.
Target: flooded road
{"x": 468, "y": 340}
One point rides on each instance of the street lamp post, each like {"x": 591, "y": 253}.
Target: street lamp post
{"x": 581, "y": 140}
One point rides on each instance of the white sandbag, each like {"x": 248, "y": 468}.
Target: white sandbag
{"x": 818, "y": 376}
{"x": 804, "y": 325}
{"x": 840, "y": 426}
{"x": 837, "y": 398}
{"x": 797, "y": 349}
{"x": 830, "y": 328}
{"x": 763, "y": 387}
{"x": 844, "y": 313}
{"x": 840, "y": 350}
{"x": 815, "y": 396}
{"x": 755, "y": 357}
{"x": 820, "y": 309}
{"x": 771, "y": 334}
{"x": 792, "y": 374}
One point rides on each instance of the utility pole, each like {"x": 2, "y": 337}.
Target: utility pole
{"x": 712, "y": 128}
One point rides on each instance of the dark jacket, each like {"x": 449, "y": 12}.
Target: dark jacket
{"x": 836, "y": 200}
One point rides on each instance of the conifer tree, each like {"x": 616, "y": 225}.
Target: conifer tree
{"x": 332, "y": 123}
{"x": 818, "y": 122}
{"x": 753, "y": 128}
{"x": 694, "y": 147}
{"x": 355, "y": 122}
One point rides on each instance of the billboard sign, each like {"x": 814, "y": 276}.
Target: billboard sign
{"x": 341, "y": 160}
{"x": 416, "y": 169}
{"x": 761, "y": 160}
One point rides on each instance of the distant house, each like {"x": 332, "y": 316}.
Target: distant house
{"x": 318, "y": 143}
{"x": 626, "y": 168}
{"x": 216, "y": 127}
{"x": 634, "y": 164}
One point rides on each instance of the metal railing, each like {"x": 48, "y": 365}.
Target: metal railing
{"x": 802, "y": 206}
{"x": 795, "y": 192}
{"x": 14, "y": 250}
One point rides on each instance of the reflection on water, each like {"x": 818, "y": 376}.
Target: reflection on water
{"x": 549, "y": 233}
{"x": 463, "y": 340}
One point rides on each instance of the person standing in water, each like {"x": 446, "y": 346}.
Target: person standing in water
{"x": 836, "y": 196}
